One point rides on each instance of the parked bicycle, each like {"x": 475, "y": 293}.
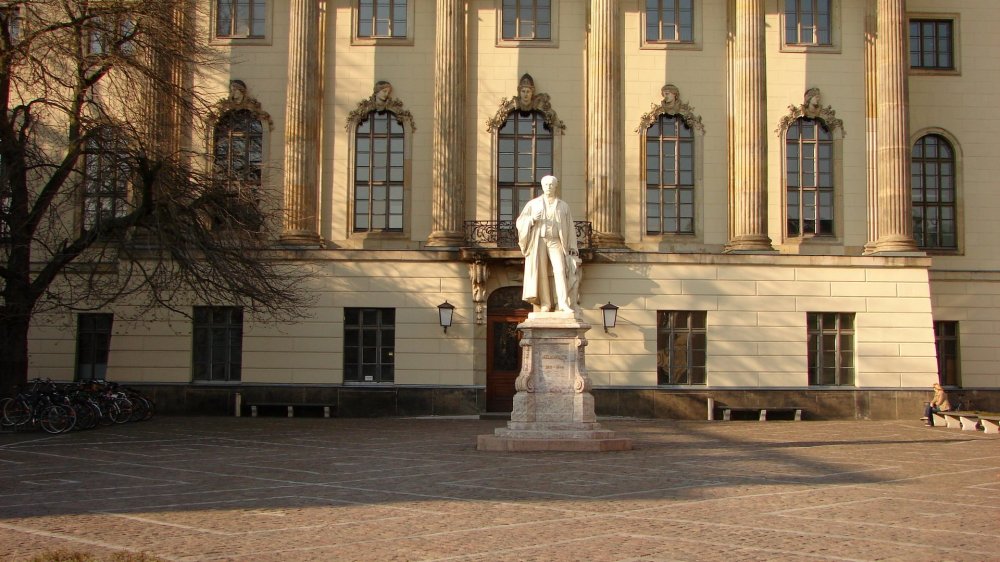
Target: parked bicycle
{"x": 61, "y": 407}
{"x": 41, "y": 405}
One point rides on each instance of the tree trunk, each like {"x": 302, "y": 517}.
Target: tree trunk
{"x": 13, "y": 351}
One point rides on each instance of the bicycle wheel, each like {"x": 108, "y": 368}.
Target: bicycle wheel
{"x": 109, "y": 412}
{"x": 16, "y": 413}
{"x": 139, "y": 406}
{"x": 150, "y": 408}
{"x": 124, "y": 411}
{"x": 57, "y": 418}
{"x": 87, "y": 414}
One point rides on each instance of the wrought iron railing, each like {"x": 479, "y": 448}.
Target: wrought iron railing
{"x": 503, "y": 234}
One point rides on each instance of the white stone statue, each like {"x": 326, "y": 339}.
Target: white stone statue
{"x": 547, "y": 237}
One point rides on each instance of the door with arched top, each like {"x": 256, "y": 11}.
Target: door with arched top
{"x": 504, "y": 311}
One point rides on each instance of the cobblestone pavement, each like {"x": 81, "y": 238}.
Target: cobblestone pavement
{"x": 416, "y": 489}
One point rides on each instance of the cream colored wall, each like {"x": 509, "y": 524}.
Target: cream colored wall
{"x": 757, "y": 318}
{"x": 964, "y": 107}
{"x": 953, "y": 104}
{"x": 840, "y": 76}
{"x": 350, "y": 74}
{"x": 700, "y": 74}
{"x": 756, "y": 304}
{"x": 350, "y": 71}
{"x": 973, "y": 300}
{"x": 493, "y": 75}
{"x": 157, "y": 347}
{"x": 756, "y": 323}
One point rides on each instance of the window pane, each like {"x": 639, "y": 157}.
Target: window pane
{"x": 257, "y": 23}
{"x": 242, "y": 18}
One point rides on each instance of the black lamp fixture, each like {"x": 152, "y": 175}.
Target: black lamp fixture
{"x": 446, "y": 313}
{"x": 610, "y": 315}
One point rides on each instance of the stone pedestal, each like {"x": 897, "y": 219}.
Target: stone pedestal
{"x": 553, "y": 407}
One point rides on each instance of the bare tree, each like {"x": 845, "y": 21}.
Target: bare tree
{"x": 104, "y": 193}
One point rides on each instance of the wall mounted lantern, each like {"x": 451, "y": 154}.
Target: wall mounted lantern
{"x": 446, "y": 313}
{"x": 610, "y": 315}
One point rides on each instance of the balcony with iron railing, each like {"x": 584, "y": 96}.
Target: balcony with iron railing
{"x": 502, "y": 235}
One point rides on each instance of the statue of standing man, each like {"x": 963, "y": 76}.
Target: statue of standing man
{"x": 547, "y": 237}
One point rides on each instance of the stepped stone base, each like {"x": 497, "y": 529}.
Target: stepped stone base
{"x": 526, "y": 444}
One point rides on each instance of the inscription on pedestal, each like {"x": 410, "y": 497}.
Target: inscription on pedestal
{"x": 553, "y": 362}
{"x": 555, "y": 371}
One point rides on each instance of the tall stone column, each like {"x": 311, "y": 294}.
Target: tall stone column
{"x": 747, "y": 129}
{"x": 895, "y": 226}
{"x": 448, "y": 137}
{"x": 302, "y": 114}
{"x": 605, "y": 131}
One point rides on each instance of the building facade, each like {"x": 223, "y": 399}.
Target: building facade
{"x": 789, "y": 201}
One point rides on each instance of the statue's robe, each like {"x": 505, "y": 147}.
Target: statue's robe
{"x": 538, "y": 289}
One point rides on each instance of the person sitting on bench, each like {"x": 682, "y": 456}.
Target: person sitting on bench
{"x": 937, "y": 404}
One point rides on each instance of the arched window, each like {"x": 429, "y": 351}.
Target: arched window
{"x": 379, "y": 173}
{"x": 809, "y": 178}
{"x": 525, "y": 148}
{"x": 106, "y": 175}
{"x": 932, "y": 174}
{"x": 669, "y": 176}
{"x": 239, "y": 149}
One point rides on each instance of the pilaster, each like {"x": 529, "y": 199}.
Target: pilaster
{"x": 871, "y": 114}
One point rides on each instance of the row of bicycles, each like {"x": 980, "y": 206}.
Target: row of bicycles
{"x": 61, "y": 407}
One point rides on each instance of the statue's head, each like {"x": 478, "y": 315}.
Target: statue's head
{"x": 237, "y": 90}
{"x": 813, "y": 98}
{"x": 525, "y": 92}
{"x": 670, "y": 93}
{"x": 549, "y": 185}
{"x": 383, "y": 90}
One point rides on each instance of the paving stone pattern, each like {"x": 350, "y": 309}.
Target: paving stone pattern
{"x": 416, "y": 489}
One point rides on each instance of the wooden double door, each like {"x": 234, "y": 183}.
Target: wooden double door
{"x": 505, "y": 310}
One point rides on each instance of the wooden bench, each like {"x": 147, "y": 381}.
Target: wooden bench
{"x": 761, "y": 411}
{"x": 956, "y": 419}
{"x": 990, "y": 422}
